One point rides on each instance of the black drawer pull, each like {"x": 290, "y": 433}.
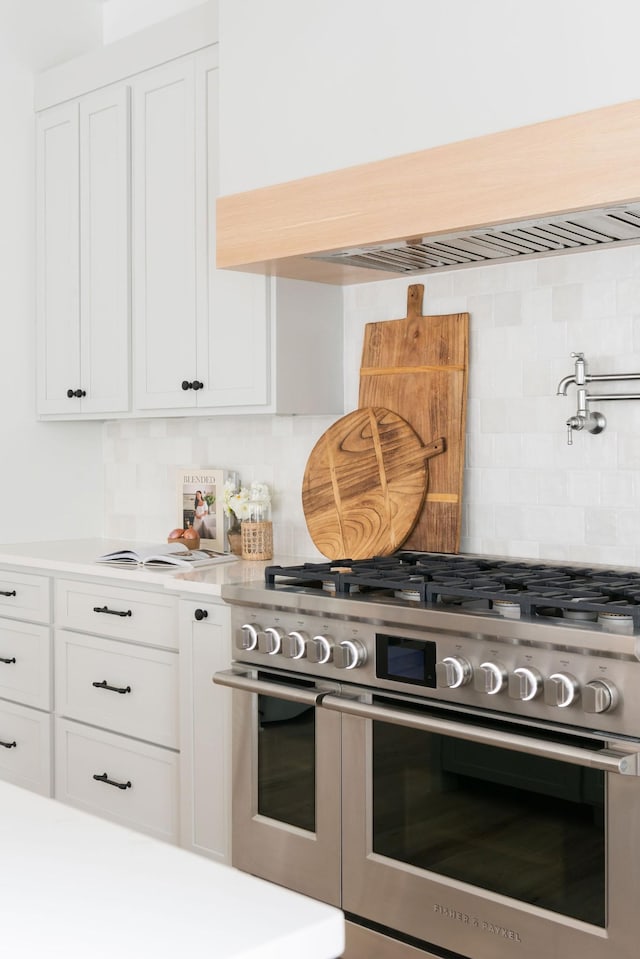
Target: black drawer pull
{"x": 7, "y": 592}
{"x": 8, "y": 745}
{"x": 3, "y": 660}
{"x": 114, "y": 689}
{"x": 111, "y": 782}
{"x": 112, "y": 612}
{"x": 200, "y": 614}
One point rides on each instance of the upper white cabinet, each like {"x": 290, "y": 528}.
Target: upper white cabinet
{"x": 128, "y": 289}
{"x": 187, "y": 318}
{"x": 83, "y": 255}
{"x": 164, "y": 248}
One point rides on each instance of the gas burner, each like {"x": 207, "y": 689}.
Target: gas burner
{"x": 616, "y": 622}
{"x": 496, "y": 587}
{"x": 507, "y": 608}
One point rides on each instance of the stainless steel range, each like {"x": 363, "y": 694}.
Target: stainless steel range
{"x": 448, "y": 748}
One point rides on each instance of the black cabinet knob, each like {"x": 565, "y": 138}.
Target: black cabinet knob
{"x": 197, "y": 385}
{"x": 78, "y": 393}
{"x": 186, "y": 385}
{"x": 200, "y": 614}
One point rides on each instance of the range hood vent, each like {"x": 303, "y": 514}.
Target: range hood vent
{"x": 580, "y": 231}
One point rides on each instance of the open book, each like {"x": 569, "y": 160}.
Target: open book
{"x": 165, "y": 556}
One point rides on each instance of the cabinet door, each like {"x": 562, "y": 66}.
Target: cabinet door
{"x": 164, "y": 260}
{"x": 233, "y": 308}
{"x": 104, "y": 250}
{"x": 205, "y": 729}
{"x": 58, "y": 275}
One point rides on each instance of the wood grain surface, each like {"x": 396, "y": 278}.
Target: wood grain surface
{"x": 417, "y": 367}
{"x": 365, "y": 483}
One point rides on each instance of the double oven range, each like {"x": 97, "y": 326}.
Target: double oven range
{"x": 447, "y": 748}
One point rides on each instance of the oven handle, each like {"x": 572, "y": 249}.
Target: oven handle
{"x": 245, "y": 682}
{"x": 610, "y": 760}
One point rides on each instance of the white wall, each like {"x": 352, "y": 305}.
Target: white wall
{"x": 39, "y": 34}
{"x": 318, "y": 86}
{"x": 51, "y": 478}
{"x": 123, "y": 17}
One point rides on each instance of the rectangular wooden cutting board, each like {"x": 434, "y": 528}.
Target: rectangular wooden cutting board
{"x": 417, "y": 366}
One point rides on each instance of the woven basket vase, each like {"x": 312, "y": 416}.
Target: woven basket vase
{"x": 257, "y": 539}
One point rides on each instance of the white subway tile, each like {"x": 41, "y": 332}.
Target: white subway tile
{"x": 566, "y": 302}
{"x": 507, "y": 309}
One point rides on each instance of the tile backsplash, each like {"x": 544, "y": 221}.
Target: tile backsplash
{"x": 526, "y": 491}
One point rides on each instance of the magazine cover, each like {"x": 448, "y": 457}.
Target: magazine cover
{"x": 201, "y": 504}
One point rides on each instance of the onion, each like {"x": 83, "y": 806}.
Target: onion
{"x": 190, "y": 534}
{"x": 176, "y": 534}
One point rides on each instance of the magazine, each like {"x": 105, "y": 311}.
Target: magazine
{"x": 166, "y": 556}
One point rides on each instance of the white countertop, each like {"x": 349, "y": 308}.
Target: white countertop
{"x": 75, "y": 886}
{"x": 78, "y": 556}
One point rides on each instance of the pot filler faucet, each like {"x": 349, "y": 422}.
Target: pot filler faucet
{"x": 586, "y": 419}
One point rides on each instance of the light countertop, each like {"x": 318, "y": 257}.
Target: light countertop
{"x": 76, "y": 886}
{"x": 78, "y": 557}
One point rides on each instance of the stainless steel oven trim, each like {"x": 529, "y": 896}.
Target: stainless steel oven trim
{"x": 431, "y": 908}
{"x": 280, "y": 852}
{"x": 246, "y": 682}
{"x": 610, "y": 760}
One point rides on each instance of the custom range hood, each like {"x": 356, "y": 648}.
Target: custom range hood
{"x": 563, "y": 185}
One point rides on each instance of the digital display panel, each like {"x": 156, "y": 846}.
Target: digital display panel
{"x": 406, "y": 660}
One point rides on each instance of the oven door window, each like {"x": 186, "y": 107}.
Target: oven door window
{"x": 287, "y": 762}
{"x": 523, "y": 826}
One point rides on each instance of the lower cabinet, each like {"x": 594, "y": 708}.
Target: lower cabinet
{"x": 205, "y": 729}
{"x": 132, "y": 782}
{"x": 107, "y": 702}
{"x": 116, "y": 704}
{"x": 25, "y": 681}
{"x": 25, "y": 747}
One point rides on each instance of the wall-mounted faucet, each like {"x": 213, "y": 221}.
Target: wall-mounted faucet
{"x": 586, "y": 419}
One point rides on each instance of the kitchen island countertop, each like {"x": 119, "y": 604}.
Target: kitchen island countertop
{"x": 75, "y": 886}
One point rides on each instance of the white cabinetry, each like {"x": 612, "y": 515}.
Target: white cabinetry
{"x": 25, "y": 681}
{"x": 116, "y": 694}
{"x": 189, "y": 320}
{"x": 205, "y": 729}
{"x": 83, "y": 255}
{"x": 127, "y": 284}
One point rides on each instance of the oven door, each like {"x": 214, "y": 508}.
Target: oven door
{"x": 285, "y": 781}
{"x": 487, "y": 838}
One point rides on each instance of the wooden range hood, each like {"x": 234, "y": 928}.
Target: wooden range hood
{"x": 556, "y": 186}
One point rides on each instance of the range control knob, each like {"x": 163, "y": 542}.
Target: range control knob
{"x": 491, "y": 678}
{"x": 294, "y": 645}
{"x": 247, "y": 637}
{"x": 453, "y": 671}
{"x": 561, "y": 689}
{"x": 599, "y": 696}
{"x": 525, "y": 684}
{"x": 270, "y": 641}
{"x": 319, "y": 650}
{"x": 349, "y": 654}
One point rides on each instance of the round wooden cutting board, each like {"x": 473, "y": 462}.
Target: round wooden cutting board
{"x": 365, "y": 483}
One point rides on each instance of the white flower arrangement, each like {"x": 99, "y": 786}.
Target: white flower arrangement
{"x": 242, "y": 503}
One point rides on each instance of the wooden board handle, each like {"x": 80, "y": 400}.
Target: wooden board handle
{"x": 415, "y": 297}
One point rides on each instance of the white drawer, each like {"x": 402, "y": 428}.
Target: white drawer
{"x": 137, "y": 615}
{"x": 142, "y": 791}
{"x": 25, "y": 596}
{"x": 129, "y": 689}
{"x": 25, "y": 754}
{"x": 25, "y": 663}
